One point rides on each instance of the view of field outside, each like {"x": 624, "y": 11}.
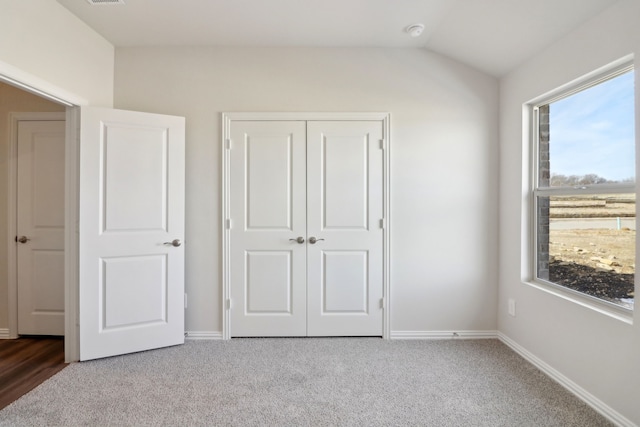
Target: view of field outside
{"x": 592, "y": 245}
{"x": 591, "y": 141}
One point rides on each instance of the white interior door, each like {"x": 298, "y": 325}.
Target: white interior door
{"x": 306, "y": 237}
{"x": 344, "y": 212}
{"x": 40, "y": 227}
{"x": 131, "y": 231}
{"x": 267, "y": 201}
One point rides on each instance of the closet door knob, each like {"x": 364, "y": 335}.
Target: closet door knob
{"x": 299, "y": 240}
{"x": 313, "y": 240}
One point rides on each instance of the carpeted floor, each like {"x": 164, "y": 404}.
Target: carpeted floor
{"x": 305, "y": 382}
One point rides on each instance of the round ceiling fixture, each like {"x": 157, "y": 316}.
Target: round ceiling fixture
{"x": 415, "y": 30}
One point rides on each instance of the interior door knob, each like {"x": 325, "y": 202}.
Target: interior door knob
{"x": 174, "y": 243}
{"x": 299, "y": 240}
{"x": 23, "y": 239}
{"x": 313, "y": 240}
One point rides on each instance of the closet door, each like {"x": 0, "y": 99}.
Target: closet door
{"x": 268, "y": 231}
{"x": 306, "y": 237}
{"x": 344, "y": 218}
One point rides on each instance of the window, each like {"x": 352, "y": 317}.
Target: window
{"x": 584, "y": 189}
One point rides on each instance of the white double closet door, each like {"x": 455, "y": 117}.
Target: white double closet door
{"x": 306, "y": 238}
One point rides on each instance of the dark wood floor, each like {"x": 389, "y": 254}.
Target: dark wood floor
{"x": 27, "y": 362}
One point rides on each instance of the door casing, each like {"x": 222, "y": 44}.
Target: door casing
{"x": 227, "y": 121}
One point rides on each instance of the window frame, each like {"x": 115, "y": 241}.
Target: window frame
{"x": 536, "y": 191}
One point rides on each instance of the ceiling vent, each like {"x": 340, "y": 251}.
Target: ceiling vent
{"x": 104, "y": 2}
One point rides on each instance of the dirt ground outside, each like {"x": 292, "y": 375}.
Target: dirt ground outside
{"x": 597, "y": 261}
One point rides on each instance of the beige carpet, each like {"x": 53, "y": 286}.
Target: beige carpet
{"x": 305, "y": 382}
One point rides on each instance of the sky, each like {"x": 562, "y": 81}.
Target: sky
{"x": 593, "y": 131}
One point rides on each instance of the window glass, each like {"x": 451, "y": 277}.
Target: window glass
{"x": 591, "y": 245}
{"x": 585, "y": 203}
{"x": 592, "y": 135}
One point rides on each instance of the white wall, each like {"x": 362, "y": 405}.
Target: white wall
{"x": 44, "y": 45}
{"x": 597, "y": 352}
{"x": 444, "y": 161}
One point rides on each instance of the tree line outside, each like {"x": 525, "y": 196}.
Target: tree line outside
{"x": 560, "y": 180}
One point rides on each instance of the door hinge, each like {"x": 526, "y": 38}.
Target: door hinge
{"x": 382, "y": 224}
{"x": 228, "y": 223}
{"x": 185, "y": 300}
{"x": 228, "y": 143}
{"x": 382, "y": 303}
{"x": 229, "y": 305}
{"x": 382, "y": 144}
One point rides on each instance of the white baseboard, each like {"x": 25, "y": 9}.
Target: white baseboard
{"x": 4, "y": 334}
{"x": 441, "y": 335}
{"x": 203, "y": 335}
{"x": 398, "y": 335}
{"x": 597, "y": 404}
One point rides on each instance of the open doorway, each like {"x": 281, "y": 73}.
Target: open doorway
{"x": 18, "y": 106}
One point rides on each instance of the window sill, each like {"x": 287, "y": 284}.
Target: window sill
{"x": 603, "y": 307}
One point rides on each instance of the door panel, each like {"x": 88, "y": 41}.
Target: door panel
{"x": 345, "y": 181}
{"x": 268, "y": 182}
{"x": 131, "y": 209}
{"x": 345, "y": 209}
{"x": 40, "y": 219}
{"x": 135, "y": 164}
{"x": 344, "y": 282}
{"x": 269, "y": 285}
{"x": 134, "y": 291}
{"x": 267, "y": 204}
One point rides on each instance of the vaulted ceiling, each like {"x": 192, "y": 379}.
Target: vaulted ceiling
{"x": 494, "y": 36}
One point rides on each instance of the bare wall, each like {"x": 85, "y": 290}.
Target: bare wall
{"x": 444, "y": 177}
{"x": 46, "y": 46}
{"x": 598, "y": 353}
